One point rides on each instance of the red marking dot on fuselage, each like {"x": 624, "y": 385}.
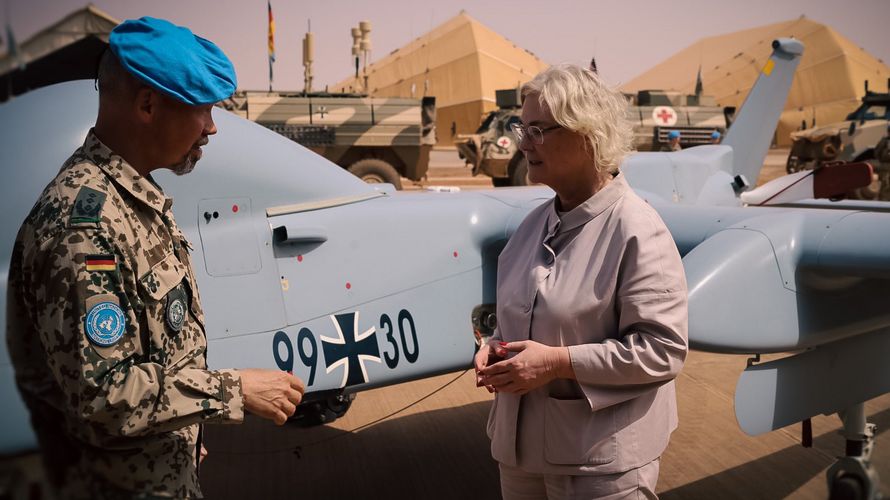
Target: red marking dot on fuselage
{"x": 455, "y": 253}
{"x": 299, "y": 258}
{"x": 348, "y": 285}
{"x": 235, "y": 208}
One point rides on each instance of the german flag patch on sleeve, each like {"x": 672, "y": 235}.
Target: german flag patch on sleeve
{"x": 106, "y": 262}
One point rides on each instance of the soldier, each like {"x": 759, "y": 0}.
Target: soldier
{"x": 673, "y": 142}
{"x": 715, "y": 137}
{"x": 105, "y": 326}
{"x": 882, "y": 155}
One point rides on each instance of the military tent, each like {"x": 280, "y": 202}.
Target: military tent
{"x": 67, "y": 50}
{"x": 827, "y": 86}
{"x": 461, "y": 62}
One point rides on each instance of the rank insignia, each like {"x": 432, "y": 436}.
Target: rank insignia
{"x": 87, "y": 206}
{"x": 101, "y": 262}
{"x": 105, "y": 324}
{"x": 176, "y": 308}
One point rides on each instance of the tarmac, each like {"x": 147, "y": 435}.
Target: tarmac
{"x": 436, "y": 448}
{"x": 426, "y": 439}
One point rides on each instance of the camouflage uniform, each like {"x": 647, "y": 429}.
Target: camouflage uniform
{"x": 119, "y": 420}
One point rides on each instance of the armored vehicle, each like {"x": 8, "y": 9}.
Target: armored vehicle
{"x": 853, "y": 139}
{"x": 377, "y": 139}
{"x": 493, "y": 151}
{"x": 655, "y": 113}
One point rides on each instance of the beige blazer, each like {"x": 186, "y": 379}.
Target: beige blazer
{"x": 607, "y": 281}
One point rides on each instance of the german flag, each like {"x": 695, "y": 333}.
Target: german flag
{"x": 101, "y": 263}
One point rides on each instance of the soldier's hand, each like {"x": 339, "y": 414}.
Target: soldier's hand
{"x": 271, "y": 394}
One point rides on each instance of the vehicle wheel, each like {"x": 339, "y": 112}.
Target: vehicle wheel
{"x": 520, "y": 173}
{"x": 847, "y": 488}
{"x": 873, "y": 190}
{"x": 883, "y": 187}
{"x": 376, "y": 171}
{"x": 323, "y": 411}
{"x": 795, "y": 164}
{"x": 500, "y": 181}
{"x": 868, "y": 193}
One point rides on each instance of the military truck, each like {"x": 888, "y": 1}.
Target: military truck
{"x": 853, "y": 139}
{"x": 377, "y": 139}
{"x": 493, "y": 151}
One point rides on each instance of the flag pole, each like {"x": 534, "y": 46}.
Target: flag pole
{"x": 271, "y": 43}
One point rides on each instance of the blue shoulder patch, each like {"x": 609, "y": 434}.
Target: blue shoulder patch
{"x": 105, "y": 324}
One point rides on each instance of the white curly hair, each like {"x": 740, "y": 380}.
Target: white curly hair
{"x": 582, "y": 102}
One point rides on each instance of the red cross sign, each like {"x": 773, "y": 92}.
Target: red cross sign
{"x": 664, "y": 116}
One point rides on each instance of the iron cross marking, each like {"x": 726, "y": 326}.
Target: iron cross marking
{"x": 350, "y": 349}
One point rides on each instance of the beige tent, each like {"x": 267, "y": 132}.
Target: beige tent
{"x": 67, "y": 50}
{"x": 828, "y": 84}
{"x": 461, "y": 63}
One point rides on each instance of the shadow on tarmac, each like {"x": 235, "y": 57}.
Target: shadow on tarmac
{"x": 776, "y": 475}
{"x": 441, "y": 454}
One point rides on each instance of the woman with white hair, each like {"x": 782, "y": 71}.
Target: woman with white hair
{"x": 591, "y": 309}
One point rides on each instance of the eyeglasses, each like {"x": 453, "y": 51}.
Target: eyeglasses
{"x": 535, "y": 133}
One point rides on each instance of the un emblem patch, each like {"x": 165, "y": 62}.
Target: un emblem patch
{"x": 105, "y": 324}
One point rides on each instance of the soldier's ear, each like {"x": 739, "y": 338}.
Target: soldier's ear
{"x": 146, "y": 104}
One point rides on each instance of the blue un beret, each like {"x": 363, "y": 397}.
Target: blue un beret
{"x": 673, "y": 134}
{"x": 174, "y": 60}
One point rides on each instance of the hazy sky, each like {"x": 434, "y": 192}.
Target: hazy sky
{"x": 627, "y": 37}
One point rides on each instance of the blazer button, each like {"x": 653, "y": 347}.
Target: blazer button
{"x": 527, "y": 307}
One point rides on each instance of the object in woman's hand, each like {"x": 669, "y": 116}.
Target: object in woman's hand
{"x": 498, "y": 352}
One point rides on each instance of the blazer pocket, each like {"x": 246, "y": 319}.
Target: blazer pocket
{"x": 575, "y": 435}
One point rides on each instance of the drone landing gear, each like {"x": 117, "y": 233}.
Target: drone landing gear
{"x": 322, "y": 408}
{"x": 852, "y": 477}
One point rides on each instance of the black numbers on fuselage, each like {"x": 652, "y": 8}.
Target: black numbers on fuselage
{"x": 310, "y": 359}
{"x": 308, "y": 352}
{"x": 391, "y": 361}
{"x": 406, "y": 322}
{"x": 283, "y": 364}
{"x": 405, "y": 316}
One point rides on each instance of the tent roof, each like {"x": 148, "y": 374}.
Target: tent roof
{"x": 832, "y": 68}
{"x": 459, "y": 61}
{"x": 68, "y": 49}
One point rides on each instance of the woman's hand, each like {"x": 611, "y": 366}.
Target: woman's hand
{"x": 534, "y": 365}
{"x": 489, "y": 353}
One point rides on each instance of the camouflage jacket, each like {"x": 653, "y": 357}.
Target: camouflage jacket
{"x": 106, "y": 335}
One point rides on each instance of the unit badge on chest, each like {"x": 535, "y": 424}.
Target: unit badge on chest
{"x": 176, "y": 308}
